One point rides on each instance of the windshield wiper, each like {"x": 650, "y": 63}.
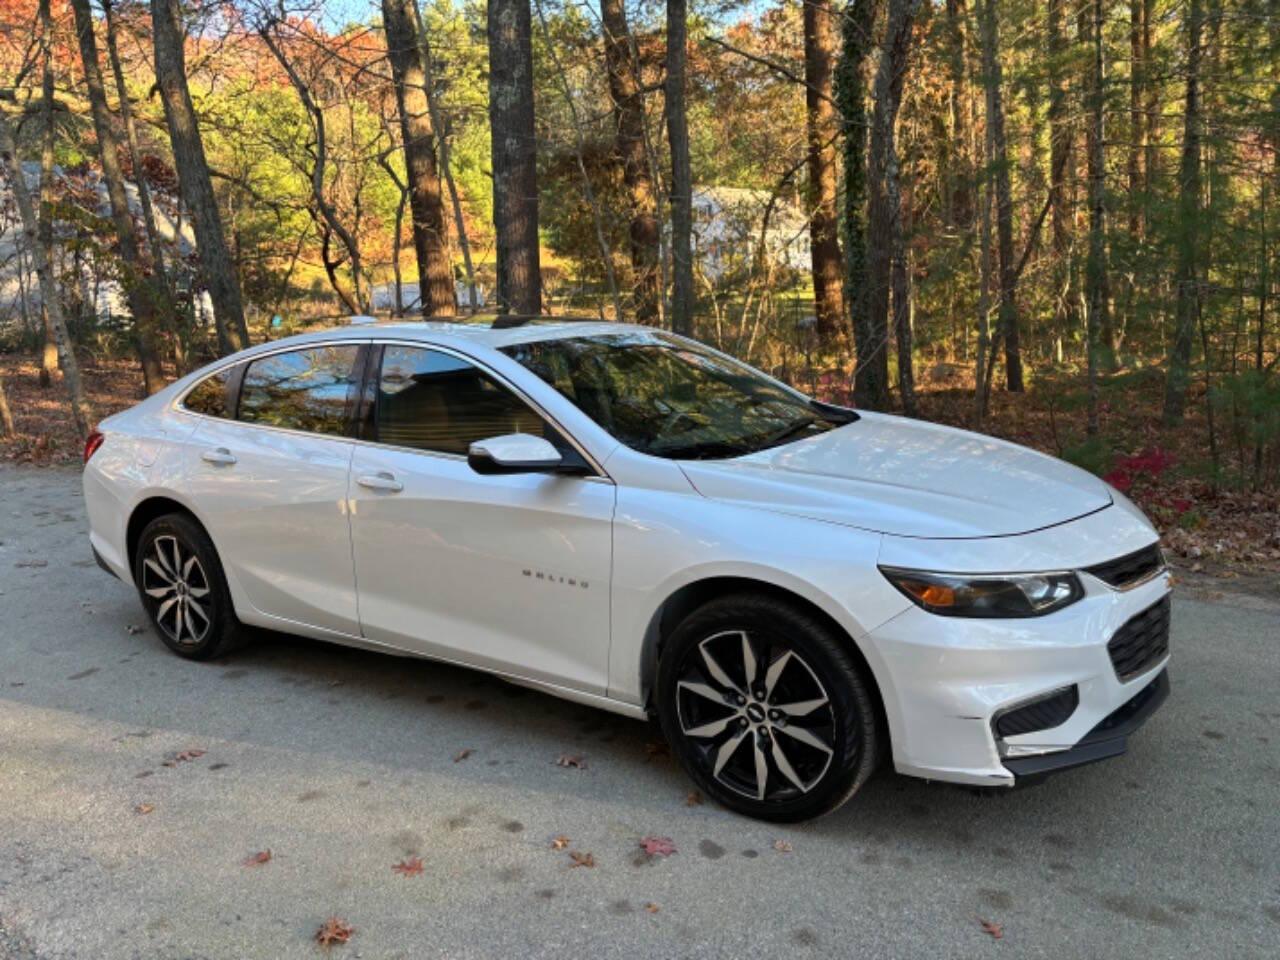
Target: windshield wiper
{"x": 707, "y": 450}
{"x": 787, "y": 432}
{"x": 834, "y": 413}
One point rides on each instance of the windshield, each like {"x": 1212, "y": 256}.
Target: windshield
{"x": 671, "y": 398}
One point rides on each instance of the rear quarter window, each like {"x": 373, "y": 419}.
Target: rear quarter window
{"x": 209, "y": 396}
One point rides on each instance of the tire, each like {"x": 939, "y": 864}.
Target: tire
{"x": 176, "y": 591}
{"x": 723, "y": 727}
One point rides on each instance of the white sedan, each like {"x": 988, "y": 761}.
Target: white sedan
{"x": 634, "y": 521}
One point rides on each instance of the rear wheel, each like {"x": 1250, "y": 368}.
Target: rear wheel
{"x": 183, "y": 590}
{"x": 766, "y": 709}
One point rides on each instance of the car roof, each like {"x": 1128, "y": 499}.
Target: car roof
{"x": 463, "y": 334}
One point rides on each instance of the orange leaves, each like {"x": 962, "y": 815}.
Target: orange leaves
{"x": 409, "y": 868}
{"x": 560, "y": 842}
{"x": 145, "y": 808}
{"x": 257, "y": 859}
{"x": 995, "y": 931}
{"x": 334, "y": 930}
{"x": 581, "y": 859}
{"x": 693, "y": 799}
{"x": 782, "y": 846}
{"x": 461, "y": 755}
{"x": 658, "y": 846}
{"x": 184, "y": 756}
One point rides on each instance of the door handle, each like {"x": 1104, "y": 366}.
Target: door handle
{"x": 382, "y": 480}
{"x": 220, "y": 456}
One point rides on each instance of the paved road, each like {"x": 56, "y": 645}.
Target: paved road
{"x": 342, "y": 764}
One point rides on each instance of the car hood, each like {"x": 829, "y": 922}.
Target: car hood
{"x": 907, "y": 478}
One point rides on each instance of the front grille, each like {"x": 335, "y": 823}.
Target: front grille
{"x": 1042, "y": 714}
{"x": 1141, "y": 642}
{"x": 1129, "y": 569}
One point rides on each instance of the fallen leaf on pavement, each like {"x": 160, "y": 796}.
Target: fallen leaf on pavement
{"x": 334, "y": 930}
{"x": 184, "y": 756}
{"x": 261, "y": 857}
{"x": 134, "y": 629}
{"x": 461, "y": 755}
{"x": 410, "y": 868}
{"x": 651, "y": 908}
{"x": 662, "y": 846}
{"x": 560, "y": 842}
{"x": 693, "y": 799}
{"x": 782, "y": 846}
{"x": 146, "y": 807}
{"x": 571, "y": 760}
{"x": 581, "y": 859}
{"x": 658, "y": 748}
{"x": 996, "y": 931}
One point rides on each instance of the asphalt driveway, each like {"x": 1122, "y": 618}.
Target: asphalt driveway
{"x": 343, "y": 763}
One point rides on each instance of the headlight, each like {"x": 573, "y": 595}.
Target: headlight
{"x": 961, "y": 595}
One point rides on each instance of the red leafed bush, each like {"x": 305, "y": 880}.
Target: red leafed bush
{"x": 1149, "y": 463}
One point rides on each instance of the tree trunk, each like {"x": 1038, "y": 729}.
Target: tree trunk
{"x": 820, "y": 113}
{"x": 1060, "y": 150}
{"x": 871, "y": 375}
{"x": 958, "y": 179}
{"x": 982, "y": 373}
{"x": 442, "y": 138}
{"x": 629, "y": 121}
{"x": 142, "y": 297}
{"x": 1151, "y": 113}
{"x": 1188, "y": 238}
{"x": 193, "y": 176}
{"x": 426, "y": 203}
{"x": 49, "y": 356}
{"x": 884, "y": 208}
{"x": 1137, "y": 119}
{"x": 1097, "y": 269}
{"x": 515, "y": 172}
{"x": 135, "y": 158}
{"x": 7, "y": 429}
{"x": 681, "y": 173}
{"x": 1008, "y": 304}
{"x": 1104, "y": 336}
{"x": 80, "y": 411}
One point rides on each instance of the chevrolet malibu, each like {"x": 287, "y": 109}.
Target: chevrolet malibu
{"x": 631, "y": 520}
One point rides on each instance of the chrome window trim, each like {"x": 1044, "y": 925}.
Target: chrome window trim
{"x": 600, "y": 475}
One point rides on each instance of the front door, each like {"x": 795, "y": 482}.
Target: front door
{"x": 507, "y": 572}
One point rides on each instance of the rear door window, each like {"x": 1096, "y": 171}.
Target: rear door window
{"x": 312, "y": 389}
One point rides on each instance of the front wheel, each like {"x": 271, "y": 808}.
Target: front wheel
{"x": 766, "y": 709}
{"x": 182, "y": 588}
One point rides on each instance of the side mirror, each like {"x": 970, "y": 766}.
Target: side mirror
{"x": 515, "y": 453}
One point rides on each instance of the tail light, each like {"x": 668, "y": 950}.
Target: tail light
{"x": 92, "y": 443}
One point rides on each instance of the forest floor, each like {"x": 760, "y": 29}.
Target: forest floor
{"x": 1224, "y": 534}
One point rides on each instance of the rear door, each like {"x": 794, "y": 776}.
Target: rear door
{"x": 271, "y": 483}
{"x": 507, "y": 572}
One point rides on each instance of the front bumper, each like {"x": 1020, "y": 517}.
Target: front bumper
{"x": 946, "y": 680}
{"x": 1110, "y": 738}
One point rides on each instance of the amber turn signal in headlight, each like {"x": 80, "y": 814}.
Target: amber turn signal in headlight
{"x": 1011, "y": 595}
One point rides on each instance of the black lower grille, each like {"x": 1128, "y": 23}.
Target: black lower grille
{"x": 1042, "y": 714}
{"x": 1129, "y": 569}
{"x": 1141, "y": 642}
